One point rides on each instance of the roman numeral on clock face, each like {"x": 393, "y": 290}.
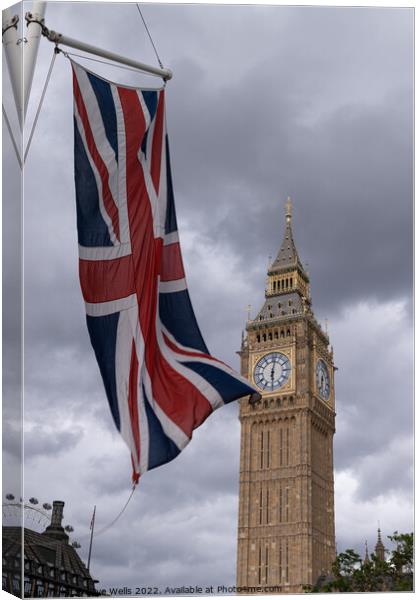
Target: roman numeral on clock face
{"x": 272, "y": 371}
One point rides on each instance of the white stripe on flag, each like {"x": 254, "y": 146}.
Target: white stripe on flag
{"x": 155, "y": 202}
{"x": 146, "y": 113}
{"x": 100, "y": 309}
{"x": 122, "y": 376}
{"x": 104, "y": 252}
{"x": 211, "y": 394}
{"x": 179, "y": 438}
{"x": 203, "y": 359}
{"x": 158, "y": 227}
{"x": 178, "y": 285}
{"x": 143, "y": 422}
{"x": 122, "y": 166}
{"x": 176, "y": 343}
{"x": 171, "y": 238}
{"x": 163, "y": 196}
{"x": 150, "y": 133}
{"x": 171, "y": 429}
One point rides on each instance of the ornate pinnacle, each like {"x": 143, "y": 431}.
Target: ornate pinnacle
{"x": 248, "y": 309}
{"x": 366, "y": 552}
{"x": 288, "y": 210}
{"x": 380, "y": 548}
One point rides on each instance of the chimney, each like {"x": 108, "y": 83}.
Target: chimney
{"x": 55, "y": 529}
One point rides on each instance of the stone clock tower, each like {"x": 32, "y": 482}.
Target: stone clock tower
{"x": 286, "y": 500}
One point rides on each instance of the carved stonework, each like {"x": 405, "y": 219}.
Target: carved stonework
{"x": 286, "y": 535}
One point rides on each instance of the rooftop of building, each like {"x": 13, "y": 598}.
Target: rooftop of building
{"x": 51, "y": 565}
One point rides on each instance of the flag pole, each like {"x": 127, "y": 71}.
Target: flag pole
{"x": 15, "y": 48}
{"x": 35, "y": 20}
{"x": 59, "y": 38}
{"x": 92, "y": 526}
{"x": 13, "y": 57}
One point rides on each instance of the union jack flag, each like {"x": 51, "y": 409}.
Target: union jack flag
{"x": 159, "y": 377}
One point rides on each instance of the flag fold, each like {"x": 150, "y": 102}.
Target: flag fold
{"x": 160, "y": 380}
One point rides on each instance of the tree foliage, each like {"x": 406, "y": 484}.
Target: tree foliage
{"x": 402, "y": 560}
{"x": 350, "y": 573}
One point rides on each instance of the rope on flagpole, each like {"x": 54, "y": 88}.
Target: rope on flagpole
{"x": 119, "y": 514}
{"x": 116, "y": 518}
{"x": 12, "y": 136}
{"x": 150, "y": 36}
{"x": 56, "y": 51}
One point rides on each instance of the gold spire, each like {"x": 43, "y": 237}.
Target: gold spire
{"x": 288, "y": 210}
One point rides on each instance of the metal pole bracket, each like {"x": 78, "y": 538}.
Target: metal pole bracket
{"x": 34, "y": 18}
{"x": 9, "y": 24}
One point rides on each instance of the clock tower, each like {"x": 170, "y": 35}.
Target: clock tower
{"x": 286, "y": 536}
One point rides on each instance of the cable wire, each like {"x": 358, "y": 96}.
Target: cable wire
{"x": 56, "y": 51}
{"x": 12, "y": 136}
{"x": 150, "y": 36}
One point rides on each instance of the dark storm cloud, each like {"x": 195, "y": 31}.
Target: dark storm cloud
{"x": 350, "y": 174}
{"x": 206, "y": 522}
{"x": 374, "y": 388}
{"x": 346, "y": 162}
{"x": 265, "y": 102}
{"x": 12, "y": 439}
{"x": 209, "y": 463}
{"x": 396, "y": 472}
{"x": 47, "y": 440}
{"x": 11, "y": 317}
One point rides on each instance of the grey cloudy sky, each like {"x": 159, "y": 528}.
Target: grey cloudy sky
{"x": 266, "y": 102}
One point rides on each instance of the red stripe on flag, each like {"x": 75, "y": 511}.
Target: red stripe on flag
{"x": 197, "y": 354}
{"x": 132, "y": 399}
{"x": 105, "y": 280}
{"x": 109, "y": 202}
{"x": 136, "y": 475}
{"x": 171, "y": 267}
{"x": 177, "y": 397}
{"x": 157, "y": 143}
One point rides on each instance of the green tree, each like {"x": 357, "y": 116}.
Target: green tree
{"x": 402, "y": 560}
{"x": 349, "y": 573}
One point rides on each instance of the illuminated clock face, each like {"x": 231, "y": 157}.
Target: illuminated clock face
{"x": 272, "y": 371}
{"x": 323, "y": 380}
